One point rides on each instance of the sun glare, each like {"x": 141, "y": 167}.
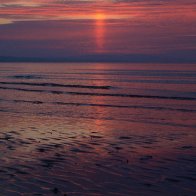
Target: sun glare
{"x": 100, "y": 16}
{"x": 100, "y": 30}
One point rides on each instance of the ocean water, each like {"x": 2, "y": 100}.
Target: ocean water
{"x": 97, "y": 129}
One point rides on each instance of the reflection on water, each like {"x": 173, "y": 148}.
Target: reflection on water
{"x": 64, "y": 129}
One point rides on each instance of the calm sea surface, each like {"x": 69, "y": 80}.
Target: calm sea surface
{"x": 97, "y": 129}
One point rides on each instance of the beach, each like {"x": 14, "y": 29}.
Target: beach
{"x": 97, "y": 129}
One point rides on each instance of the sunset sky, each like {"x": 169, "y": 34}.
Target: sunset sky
{"x": 96, "y": 30}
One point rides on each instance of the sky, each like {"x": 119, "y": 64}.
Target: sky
{"x": 99, "y": 30}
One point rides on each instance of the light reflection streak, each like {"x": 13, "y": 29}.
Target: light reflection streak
{"x": 100, "y": 31}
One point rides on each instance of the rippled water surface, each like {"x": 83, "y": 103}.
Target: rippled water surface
{"x": 97, "y": 129}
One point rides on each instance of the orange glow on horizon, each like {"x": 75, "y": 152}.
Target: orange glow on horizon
{"x": 100, "y": 16}
{"x": 39, "y": 10}
{"x": 92, "y": 29}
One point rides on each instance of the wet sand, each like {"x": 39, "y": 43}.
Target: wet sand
{"x": 76, "y": 144}
{"x": 52, "y": 158}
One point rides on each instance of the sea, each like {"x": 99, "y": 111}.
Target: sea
{"x": 97, "y": 129}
